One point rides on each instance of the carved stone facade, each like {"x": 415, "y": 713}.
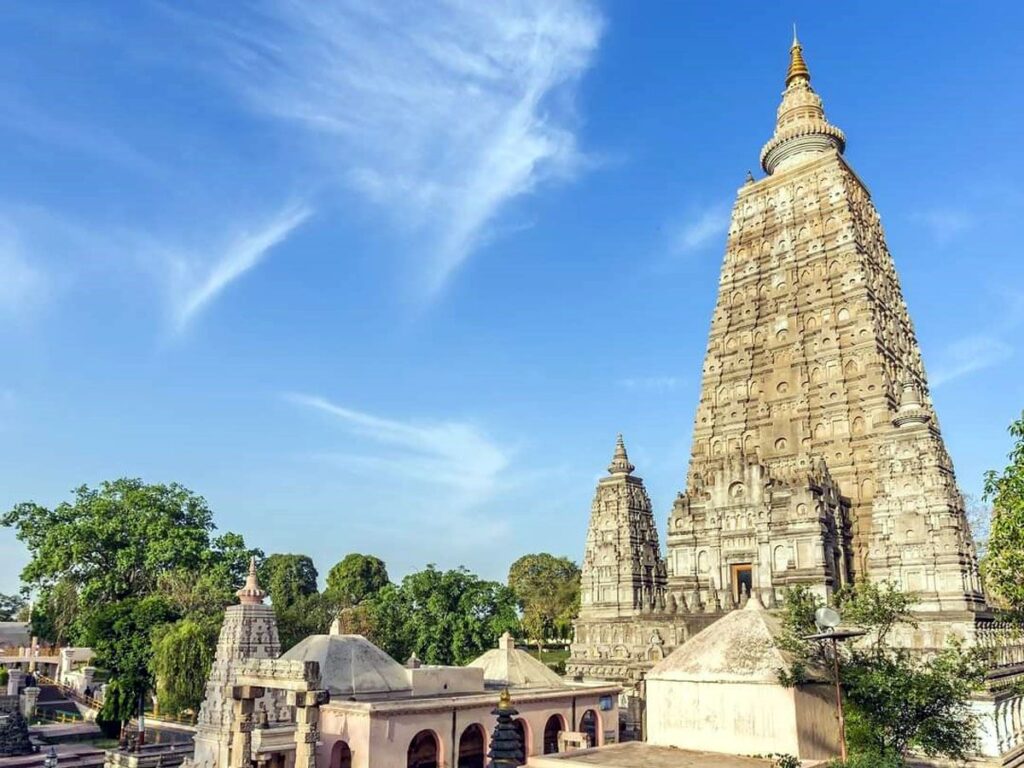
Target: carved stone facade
{"x": 816, "y": 453}
{"x": 817, "y": 457}
{"x": 626, "y": 622}
{"x": 249, "y": 632}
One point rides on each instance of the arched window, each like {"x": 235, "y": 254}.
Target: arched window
{"x": 554, "y": 726}
{"x": 341, "y": 755}
{"x": 471, "y": 747}
{"x": 590, "y": 724}
{"x": 423, "y": 751}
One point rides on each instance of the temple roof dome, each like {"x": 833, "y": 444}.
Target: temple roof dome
{"x": 738, "y": 648}
{"x": 508, "y": 667}
{"x": 350, "y": 665}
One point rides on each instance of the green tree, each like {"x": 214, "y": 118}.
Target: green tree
{"x": 10, "y": 606}
{"x": 547, "y": 590}
{"x": 306, "y": 615}
{"x": 182, "y": 655}
{"x": 117, "y": 563}
{"x": 119, "y": 706}
{"x": 445, "y": 617}
{"x": 121, "y": 635}
{"x": 55, "y": 613}
{"x": 1003, "y": 565}
{"x": 287, "y": 578}
{"x": 896, "y": 701}
{"x": 113, "y": 542}
{"x": 355, "y": 579}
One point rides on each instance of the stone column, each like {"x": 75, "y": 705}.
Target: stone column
{"x": 307, "y": 722}
{"x": 14, "y": 681}
{"x": 244, "y": 703}
{"x": 29, "y": 697}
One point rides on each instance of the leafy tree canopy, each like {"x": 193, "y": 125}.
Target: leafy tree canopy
{"x": 896, "y": 701}
{"x": 355, "y": 579}
{"x": 114, "y": 541}
{"x": 547, "y": 590}
{"x": 287, "y": 578}
{"x": 182, "y": 655}
{"x": 11, "y": 607}
{"x": 1003, "y": 565}
{"x": 116, "y": 565}
{"x": 445, "y": 617}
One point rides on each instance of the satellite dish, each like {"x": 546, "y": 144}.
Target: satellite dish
{"x": 827, "y": 618}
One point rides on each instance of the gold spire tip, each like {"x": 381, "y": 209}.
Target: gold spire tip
{"x": 797, "y": 65}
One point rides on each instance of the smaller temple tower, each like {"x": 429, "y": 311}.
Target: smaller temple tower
{"x": 249, "y": 631}
{"x": 623, "y": 571}
{"x": 626, "y": 623}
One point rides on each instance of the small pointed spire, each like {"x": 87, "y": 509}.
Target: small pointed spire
{"x": 750, "y": 177}
{"x": 251, "y": 594}
{"x": 797, "y": 65}
{"x": 620, "y": 461}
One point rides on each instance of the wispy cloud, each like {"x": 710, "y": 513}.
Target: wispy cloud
{"x": 979, "y": 351}
{"x": 700, "y": 229}
{"x": 969, "y": 355}
{"x": 651, "y": 383}
{"x": 198, "y": 279}
{"x": 442, "y": 112}
{"x": 455, "y": 455}
{"x": 22, "y": 285}
{"x": 945, "y": 224}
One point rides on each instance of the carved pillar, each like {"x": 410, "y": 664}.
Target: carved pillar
{"x": 244, "y": 703}
{"x": 307, "y": 722}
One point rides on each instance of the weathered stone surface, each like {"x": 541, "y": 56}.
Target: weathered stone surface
{"x": 816, "y": 454}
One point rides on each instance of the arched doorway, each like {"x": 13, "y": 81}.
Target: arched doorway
{"x": 554, "y": 726}
{"x": 523, "y": 728}
{"x": 471, "y": 747}
{"x": 423, "y": 750}
{"x": 590, "y": 724}
{"x": 341, "y": 755}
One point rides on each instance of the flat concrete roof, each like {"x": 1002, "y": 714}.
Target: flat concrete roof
{"x": 636, "y": 754}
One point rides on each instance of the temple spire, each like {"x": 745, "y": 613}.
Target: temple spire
{"x": 801, "y": 129}
{"x": 620, "y": 461}
{"x": 797, "y": 65}
{"x": 250, "y": 593}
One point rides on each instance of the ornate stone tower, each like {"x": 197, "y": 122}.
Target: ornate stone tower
{"x": 249, "y": 631}
{"x": 816, "y": 453}
{"x": 623, "y": 623}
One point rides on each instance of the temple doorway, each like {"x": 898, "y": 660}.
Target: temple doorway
{"x": 423, "y": 750}
{"x": 742, "y": 580}
{"x": 589, "y": 726}
{"x": 554, "y": 726}
{"x": 341, "y": 755}
{"x": 471, "y": 747}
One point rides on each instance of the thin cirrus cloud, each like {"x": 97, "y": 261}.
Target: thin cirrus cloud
{"x": 977, "y": 352}
{"x": 441, "y": 113}
{"x": 22, "y": 284}
{"x": 454, "y": 455}
{"x": 198, "y": 282}
{"x": 701, "y": 229}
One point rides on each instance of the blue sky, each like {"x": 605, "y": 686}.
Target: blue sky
{"x": 389, "y": 277}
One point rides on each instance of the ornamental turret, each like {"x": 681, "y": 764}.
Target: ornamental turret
{"x": 800, "y": 126}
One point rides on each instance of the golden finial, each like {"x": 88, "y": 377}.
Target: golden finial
{"x": 505, "y": 701}
{"x": 797, "y": 65}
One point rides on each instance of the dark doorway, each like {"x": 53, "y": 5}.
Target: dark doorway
{"x": 742, "y": 580}
{"x": 589, "y": 726}
{"x": 471, "y": 747}
{"x": 423, "y": 750}
{"x": 554, "y": 726}
{"x": 341, "y": 755}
